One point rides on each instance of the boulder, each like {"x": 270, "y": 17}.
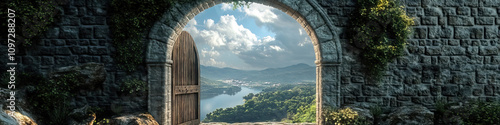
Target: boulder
{"x": 410, "y": 115}
{"x": 21, "y": 117}
{"x": 18, "y": 119}
{"x": 80, "y": 116}
{"x": 134, "y": 119}
{"x": 92, "y": 74}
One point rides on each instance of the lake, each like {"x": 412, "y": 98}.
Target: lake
{"x": 224, "y": 101}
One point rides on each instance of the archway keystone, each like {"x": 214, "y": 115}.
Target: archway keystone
{"x": 308, "y": 13}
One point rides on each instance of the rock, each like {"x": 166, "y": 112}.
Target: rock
{"x": 18, "y": 119}
{"x": 92, "y": 74}
{"x": 410, "y": 115}
{"x": 80, "y": 116}
{"x": 21, "y": 117}
{"x": 134, "y": 119}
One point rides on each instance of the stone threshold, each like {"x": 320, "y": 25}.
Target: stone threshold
{"x": 256, "y": 123}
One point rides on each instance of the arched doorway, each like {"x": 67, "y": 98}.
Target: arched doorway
{"x": 308, "y": 13}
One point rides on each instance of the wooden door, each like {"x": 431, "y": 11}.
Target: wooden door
{"x": 185, "y": 82}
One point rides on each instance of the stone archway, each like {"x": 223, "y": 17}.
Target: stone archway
{"x": 308, "y": 13}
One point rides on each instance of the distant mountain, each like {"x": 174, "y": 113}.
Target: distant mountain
{"x": 290, "y": 74}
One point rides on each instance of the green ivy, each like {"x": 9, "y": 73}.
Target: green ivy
{"x": 32, "y": 18}
{"x": 130, "y": 21}
{"x": 380, "y": 28}
{"x": 50, "y": 98}
{"x": 134, "y": 86}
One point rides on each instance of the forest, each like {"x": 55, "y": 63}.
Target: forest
{"x": 287, "y": 103}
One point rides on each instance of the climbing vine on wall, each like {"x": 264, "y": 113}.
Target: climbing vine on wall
{"x": 380, "y": 29}
{"x": 32, "y": 18}
{"x": 130, "y": 21}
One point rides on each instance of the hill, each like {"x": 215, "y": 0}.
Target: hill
{"x": 290, "y": 74}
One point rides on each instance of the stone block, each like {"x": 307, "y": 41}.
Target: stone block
{"x": 351, "y": 90}
{"x": 357, "y": 79}
{"x": 495, "y": 60}
{"x": 62, "y": 51}
{"x": 463, "y": 11}
{"x": 98, "y": 50}
{"x": 420, "y": 33}
{"x": 65, "y": 60}
{"x": 69, "y": 33}
{"x": 460, "y": 77}
{"x": 410, "y": 90}
{"x": 79, "y": 49}
{"x": 432, "y": 2}
{"x": 70, "y": 21}
{"x": 444, "y": 60}
{"x": 87, "y": 59}
{"x": 101, "y": 32}
{"x": 47, "y": 51}
{"x": 461, "y": 20}
{"x": 486, "y": 11}
{"x": 99, "y": 11}
{"x": 433, "y": 50}
{"x": 453, "y": 50}
{"x": 47, "y": 60}
{"x": 485, "y": 20}
{"x": 449, "y": 90}
{"x": 86, "y": 33}
{"x": 52, "y": 33}
{"x": 488, "y": 50}
{"x": 70, "y": 10}
{"x": 472, "y": 50}
{"x": 449, "y": 11}
{"x": 488, "y": 3}
{"x": 454, "y": 3}
{"x": 429, "y": 20}
{"x": 490, "y": 89}
{"x": 57, "y": 42}
{"x": 462, "y": 33}
{"x": 471, "y": 3}
{"x": 476, "y": 32}
{"x": 465, "y": 91}
{"x": 372, "y": 90}
{"x": 433, "y": 11}
{"x": 491, "y": 33}
{"x": 93, "y": 20}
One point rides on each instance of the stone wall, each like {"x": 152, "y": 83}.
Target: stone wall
{"x": 80, "y": 36}
{"x": 452, "y": 55}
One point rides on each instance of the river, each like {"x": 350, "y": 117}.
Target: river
{"x": 224, "y": 101}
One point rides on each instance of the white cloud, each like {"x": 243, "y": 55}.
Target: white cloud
{"x": 262, "y": 12}
{"x": 227, "y": 32}
{"x": 267, "y": 39}
{"x": 210, "y": 53}
{"x": 226, "y": 6}
{"x": 276, "y": 48}
{"x": 191, "y": 27}
{"x": 213, "y": 38}
{"x": 212, "y": 62}
{"x": 209, "y": 23}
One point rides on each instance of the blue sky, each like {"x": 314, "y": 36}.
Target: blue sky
{"x": 249, "y": 38}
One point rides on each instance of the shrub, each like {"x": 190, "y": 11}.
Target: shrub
{"x": 380, "y": 29}
{"x": 482, "y": 113}
{"x": 345, "y": 116}
{"x": 134, "y": 86}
